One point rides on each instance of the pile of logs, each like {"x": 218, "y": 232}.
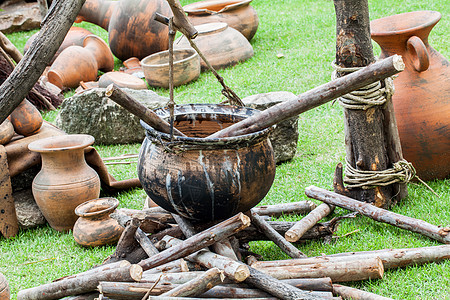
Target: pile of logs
{"x": 165, "y": 256}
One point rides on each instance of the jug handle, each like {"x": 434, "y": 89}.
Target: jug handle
{"x": 419, "y": 53}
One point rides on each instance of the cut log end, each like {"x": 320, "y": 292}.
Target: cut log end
{"x": 242, "y": 273}
{"x": 109, "y": 90}
{"x": 244, "y": 219}
{"x": 291, "y": 236}
{"x": 398, "y": 63}
{"x": 136, "y": 272}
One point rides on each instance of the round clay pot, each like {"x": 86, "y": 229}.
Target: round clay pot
{"x": 238, "y": 14}
{"x": 222, "y": 45}
{"x": 421, "y": 99}
{"x": 186, "y": 67}
{"x": 6, "y": 132}
{"x": 94, "y": 226}
{"x": 122, "y": 80}
{"x": 4, "y": 288}
{"x": 204, "y": 178}
{"x": 26, "y": 119}
{"x": 65, "y": 180}
{"x": 76, "y": 63}
{"x": 132, "y": 29}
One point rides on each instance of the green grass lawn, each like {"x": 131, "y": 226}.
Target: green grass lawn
{"x": 304, "y": 32}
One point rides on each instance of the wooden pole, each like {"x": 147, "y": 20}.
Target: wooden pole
{"x": 441, "y": 234}
{"x": 306, "y": 223}
{"x": 145, "y": 243}
{"x": 355, "y": 294}
{"x": 54, "y": 28}
{"x": 276, "y": 210}
{"x": 126, "y": 244}
{"x": 197, "y": 286}
{"x": 315, "y": 97}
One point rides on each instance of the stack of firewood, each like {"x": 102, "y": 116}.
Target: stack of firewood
{"x": 165, "y": 256}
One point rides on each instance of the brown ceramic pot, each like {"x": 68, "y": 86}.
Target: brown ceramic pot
{"x": 6, "y": 132}
{"x": 4, "y": 288}
{"x": 222, "y": 45}
{"x": 132, "y": 30}
{"x": 133, "y": 66}
{"x": 76, "y": 63}
{"x": 65, "y": 180}
{"x": 206, "y": 179}
{"x": 421, "y": 99}
{"x": 26, "y": 119}
{"x": 186, "y": 67}
{"x": 121, "y": 79}
{"x": 238, "y": 14}
{"x": 94, "y": 226}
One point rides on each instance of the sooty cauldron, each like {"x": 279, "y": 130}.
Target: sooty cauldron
{"x": 206, "y": 178}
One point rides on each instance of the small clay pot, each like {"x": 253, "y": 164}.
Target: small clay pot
{"x": 4, "y": 288}
{"x": 133, "y": 66}
{"x": 26, "y": 119}
{"x": 6, "y": 132}
{"x": 123, "y": 80}
{"x": 94, "y": 226}
{"x": 222, "y": 45}
{"x": 236, "y": 13}
{"x": 186, "y": 65}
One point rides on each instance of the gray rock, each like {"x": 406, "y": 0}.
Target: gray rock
{"x": 284, "y": 138}
{"x": 20, "y": 16}
{"x": 27, "y": 211}
{"x": 92, "y": 113}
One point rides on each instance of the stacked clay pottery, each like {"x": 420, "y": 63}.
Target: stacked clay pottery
{"x": 65, "y": 180}
{"x": 122, "y": 80}
{"x": 238, "y": 14}
{"x": 74, "y": 37}
{"x": 422, "y": 91}
{"x": 222, "y": 45}
{"x": 6, "y": 132}
{"x": 186, "y": 67}
{"x": 132, "y": 30}
{"x": 26, "y": 119}
{"x": 4, "y": 288}
{"x": 94, "y": 226}
{"x": 81, "y": 63}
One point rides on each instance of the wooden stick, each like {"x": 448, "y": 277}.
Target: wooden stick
{"x": 145, "y": 243}
{"x": 274, "y": 236}
{"x": 181, "y": 21}
{"x": 176, "y": 266}
{"x": 132, "y": 290}
{"x": 98, "y": 269}
{"x": 198, "y": 241}
{"x": 338, "y": 271}
{"x": 126, "y": 244}
{"x": 80, "y": 284}
{"x": 197, "y": 286}
{"x": 306, "y": 223}
{"x": 174, "y": 278}
{"x": 441, "y": 234}
{"x": 276, "y": 210}
{"x": 355, "y": 294}
{"x": 10, "y": 49}
{"x": 136, "y": 108}
{"x": 315, "y": 97}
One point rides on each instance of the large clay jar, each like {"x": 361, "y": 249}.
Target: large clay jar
{"x": 132, "y": 29}
{"x": 238, "y": 14}
{"x": 222, "y": 45}
{"x": 94, "y": 226}
{"x": 4, "y": 288}
{"x": 65, "y": 180}
{"x": 6, "y": 132}
{"x": 422, "y": 91}
{"x": 76, "y": 63}
{"x": 202, "y": 178}
{"x": 26, "y": 118}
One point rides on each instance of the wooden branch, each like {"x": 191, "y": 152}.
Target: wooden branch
{"x": 306, "y": 223}
{"x": 126, "y": 244}
{"x": 10, "y": 49}
{"x": 198, "y": 241}
{"x": 181, "y": 21}
{"x": 293, "y": 208}
{"x": 274, "y": 236}
{"x": 315, "y": 97}
{"x": 197, "y": 286}
{"x": 132, "y": 290}
{"x": 80, "y": 284}
{"x": 355, "y": 294}
{"x": 225, "y": 248}
{"x": 441, "y": 234}
{"x": 179, "y": 265}
{"x": 114, "y": 93}
{"x": 174, "y": 278}
{"x": 54, "y": 28}
{"x": 87, "y": 296}
{"x": 145, "y": 243}
{"x": 98, "y": 269}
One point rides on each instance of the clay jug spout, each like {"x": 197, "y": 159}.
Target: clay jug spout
{"x": 97, "y": 12}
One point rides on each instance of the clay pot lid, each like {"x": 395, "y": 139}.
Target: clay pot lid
{"x": 61, "y": 143}
{"x": 161, "y": 59}
{"x": 96, "y": 207}
{"x": 404, "y": 23}
{"x": 121, "y": 79}
{"x": 208, "y": 28}
{"x": 213, "y": 6}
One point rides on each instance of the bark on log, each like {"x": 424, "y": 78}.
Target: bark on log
{"x": 338, "y": 271}
{"x": 197, "y": 286}
{"x": 98, "y": 269}
{"x": 151, "y": 222}
{"x": 274, "y": 236}
{"x": 307, "y": 222}
{"x": 355, "y": 294}
{"x": 54, "y": 28}
{"x": 10, "y": 49}
{"x": 81, "y": 284}
{"x": 132, "y": 290}
{"x": 315, "y": 97}
{"x": 127, "y": 244}
{"x": 441, "y": 234}
{"x": 175, "y": 266}
{"x": 174, "y": 278}
{"x": 87, "y": 296}
{"x": 145, "y": 243}
{"x": 276, "y": 210}
{"x": 199, "y": 241}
